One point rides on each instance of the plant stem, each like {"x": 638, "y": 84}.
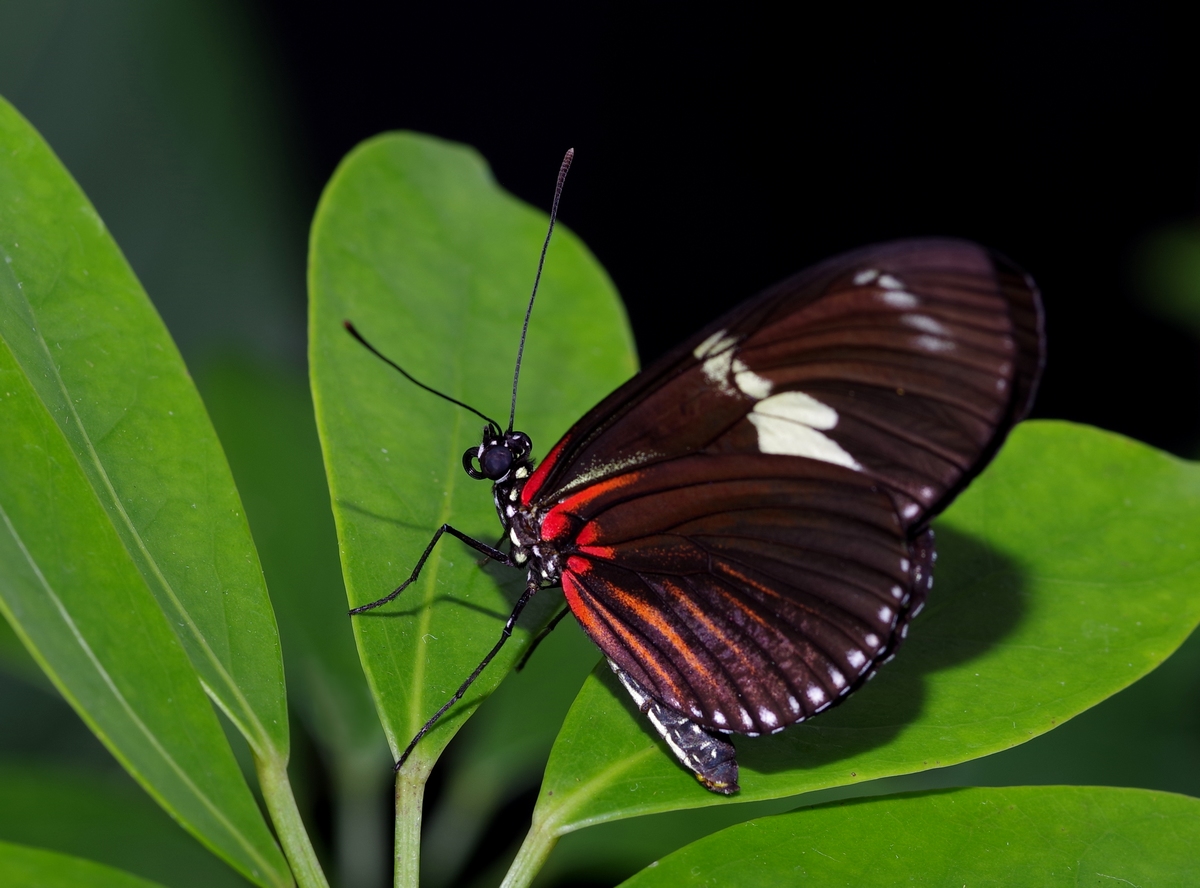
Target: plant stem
{"x": 410, "y": 794}
{"x": 277, "y": 792}
{"x": 538, "y": 844}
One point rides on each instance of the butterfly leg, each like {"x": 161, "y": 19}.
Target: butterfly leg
{"x": 493, "y": 553}
{"x": 483, "y": 562}
{"x": 540, "y": 637}
{"x": 709, "y": 756}
{"x": 505, "y": 633}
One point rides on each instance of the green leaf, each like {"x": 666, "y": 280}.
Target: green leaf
{"x": 1066, "y": 572}
{"x": 115, "y": 499}
{"x": 502, "y": 751}
{"x": 106, "y": 818}
{"x": 1023, "y": 835}
{"x": 1141, "y": 737}
{"x": 415, "y": 242}
{"x": 103, "y": 365}
{"x": 33, "y": 868}
{"x": 264, "y": 416}
{"x": 15, "y": 660}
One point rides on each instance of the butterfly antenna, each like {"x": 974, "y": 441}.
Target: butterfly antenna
{"x": 350, "y": 328}
{"x": 562, "y": 176}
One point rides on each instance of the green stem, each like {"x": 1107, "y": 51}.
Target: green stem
{"x": 538, "y": 844}
{"x": 410, "y": 794}
{"x": 277, "y": 792}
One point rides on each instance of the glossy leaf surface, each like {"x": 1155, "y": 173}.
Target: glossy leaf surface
{"x": 1067, "y": 571}
{"x": 433, "y": 262}
{"x": 84, "y": 333}
{"x": 22, "y": 867}
{"x": 1036, "y": 837}
{"x": 105, "y": 818}
{"x": 117, "y": 509}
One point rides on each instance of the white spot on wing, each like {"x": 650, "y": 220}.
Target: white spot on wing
{"x": 934, "y": 344}
{"x": 815, "y": 695}
{"x": 885, "y": 614}
{"x": 865, "y": 276}
{"x": 719, "y": 717}
{"x": 767, "y": 717}
{"x": 794, "y": 704}
{"x": 750, "y": 382}
{"x": 871, "y": 639}
{"x": 719, "y": 341}
{"x": 791, "y": 423}
{"x": 899, "y": 299}
{"x": 910, "y": 511}
{"x": 925, "y": 324}
{"x": 856, "y": 658}
{"x": 889, "y": 282}
{"x": 717, "y": 354}
{"x": 746, "y": 719}
{"x": 839, "y": 680}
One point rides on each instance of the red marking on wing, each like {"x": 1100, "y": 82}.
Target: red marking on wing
{"x": 542, "y": 472}
{"x": 556, "y": 526}
{"x": 558, "y": 523}
{"x": 606, "y": 552}
{"x": 587, "y": 618}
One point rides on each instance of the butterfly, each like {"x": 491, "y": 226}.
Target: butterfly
{"x": 743, "y": 528}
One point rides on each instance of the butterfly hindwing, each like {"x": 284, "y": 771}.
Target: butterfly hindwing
{"x": 749, "y": 601}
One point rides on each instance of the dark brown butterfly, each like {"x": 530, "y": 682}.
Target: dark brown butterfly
{"x": 743, "y": 527}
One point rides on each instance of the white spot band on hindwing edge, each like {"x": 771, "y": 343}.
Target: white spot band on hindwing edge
{"x": 791, "y": 424}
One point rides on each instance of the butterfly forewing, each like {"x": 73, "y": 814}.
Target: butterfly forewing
{"x": 744, "y": 522}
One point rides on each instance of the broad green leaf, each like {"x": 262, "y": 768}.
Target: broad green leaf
{"x": 22, "y": 867}
{"x": 433, "y": 262}
{"x": 106, "y": 818}
{"x": 1035, "y": 837}
{"x": 117, "y": 510}
{"x": 1146, "y": 736}
{"x": 1067, "y": 571}
{"x": 83, "y": 332}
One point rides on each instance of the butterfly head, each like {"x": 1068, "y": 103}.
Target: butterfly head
{"x": 499, "y": 455}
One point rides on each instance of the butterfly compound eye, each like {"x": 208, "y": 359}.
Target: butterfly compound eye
{"x": 496, "y": 461}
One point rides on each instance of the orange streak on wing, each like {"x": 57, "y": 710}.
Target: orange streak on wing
{"x": 700, "y": 616}
{"x": 654, "y": 617}
{"x": 591, "y": 622}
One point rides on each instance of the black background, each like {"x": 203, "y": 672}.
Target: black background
{"x": 720, "y": 152}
